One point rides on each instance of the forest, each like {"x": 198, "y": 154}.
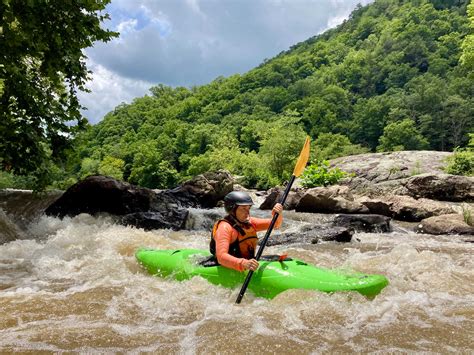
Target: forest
{"x": 396, "y": 75}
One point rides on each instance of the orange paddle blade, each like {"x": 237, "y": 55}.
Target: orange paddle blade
{"x": 303, "y": 159}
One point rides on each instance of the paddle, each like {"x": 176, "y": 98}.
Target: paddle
{"x": 299, "y": 167}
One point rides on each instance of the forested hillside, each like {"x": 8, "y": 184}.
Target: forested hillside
{"x": 388, "y": 78}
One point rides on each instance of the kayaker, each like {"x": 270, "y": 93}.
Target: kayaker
{"x": 234, "y": 238}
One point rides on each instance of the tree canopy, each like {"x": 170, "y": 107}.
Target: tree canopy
{"x": 390, "y": 77}
{"x": 42, "y": 66}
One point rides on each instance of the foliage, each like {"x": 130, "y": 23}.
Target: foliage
{"x": 387, "y": 78}
{"x": 330, "y": 146}
{"x": 321, "y": 174}
{"x": 111, "y": 166}
{"x": 42, "y": 67}
{"x": 401, "y": 135}
{"x": 467, "y": 214}
{"x": 467, "y": 57}
{"x": 8, "y": 180}
{"x": 462, "y": 161}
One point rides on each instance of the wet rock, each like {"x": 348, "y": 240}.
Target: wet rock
{"x": 443, "y": 187}
{"x": 275, "y": 195}
{"x": 142, "y": 207}
{"x": 445, "y": 224}
{"x": 371, "y": 223}
{"x": 331, "y": 199}
{"x": 97, "y": 194}
{"x": 405, "y": 208}
{"x": 171, "y": 219}
{"x": 313, "y": 234}
{"x": 202, "y": 219}
{"x": 208, "y": 188}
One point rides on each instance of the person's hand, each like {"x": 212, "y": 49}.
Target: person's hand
{"x": 278, "y": 208}
{"x": 251, "y": 264}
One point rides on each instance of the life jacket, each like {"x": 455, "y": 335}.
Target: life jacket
{"x": 245, "y": 244}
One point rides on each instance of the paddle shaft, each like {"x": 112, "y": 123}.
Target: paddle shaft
{"x": 264, "y": 241}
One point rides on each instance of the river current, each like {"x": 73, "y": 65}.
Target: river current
{"x": 73, "y": 285}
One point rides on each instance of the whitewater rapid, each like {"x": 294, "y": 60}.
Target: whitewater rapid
{"x": 74, "y": 285}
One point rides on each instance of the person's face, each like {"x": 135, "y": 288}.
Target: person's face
{"x": 242, "y": 213}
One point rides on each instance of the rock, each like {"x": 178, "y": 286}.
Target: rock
{"x": 171, "y": 219}
{"x": 25, "y": 206}
{"x": 331, "y": 199}
{"x": 445, "y": 224}
{"x": 97, "y": 194}
{"x": 141, "y": 207}
{"x": 276, "y": 194}
{"x": 208, "y": 188}
{"x": 382, "y": 173}
{"x": 363, "y": 222}
{"x": 198, "y": 219}
{"x": 313, "y": 234}
{"x": 444, "y": 187}
{"x": 405, "y": 208}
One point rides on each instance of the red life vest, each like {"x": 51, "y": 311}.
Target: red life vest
{"x": 245, "y": 244}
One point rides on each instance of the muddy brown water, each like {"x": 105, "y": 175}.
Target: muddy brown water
{"x": 73, "y": 285}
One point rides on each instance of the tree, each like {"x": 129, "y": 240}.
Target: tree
{"x": 401, "y": 135}
{"x": 113, "y": 167}
{"x": 467, "y": 57}
{"x": 42, "y": 66}
{"x": 330, "y": 146}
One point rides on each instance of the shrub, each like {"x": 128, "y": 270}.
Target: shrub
{"x": 320, "y": 174}
{"x": 462, "y": 161}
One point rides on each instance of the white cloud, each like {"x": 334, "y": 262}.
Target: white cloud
{"x": 191, "y": 42}
{"x": 109, "y": 90}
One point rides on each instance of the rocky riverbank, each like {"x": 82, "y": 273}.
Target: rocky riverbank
{"x": 405, "y": 186}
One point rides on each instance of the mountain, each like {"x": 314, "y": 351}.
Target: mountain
{"x": 388, "y": 78}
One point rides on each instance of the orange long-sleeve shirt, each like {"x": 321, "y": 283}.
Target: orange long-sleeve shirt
{"x": 226, "y": 235}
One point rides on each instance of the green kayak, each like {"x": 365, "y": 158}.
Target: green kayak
{"x": 272, "y": 277}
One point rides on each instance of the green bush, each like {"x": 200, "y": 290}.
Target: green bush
{"x": 320, "y": 174}
{"x": 462, "y": 161}
{"x": 8, "y": 180}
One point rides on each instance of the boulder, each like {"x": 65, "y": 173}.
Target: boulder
{"x": 382, "y": 173}
{"x": 142, "y": 207}
{"x": 445, "y": 224}
{"x": 171, "y": 219}
{"x": 444, "y": 187}
{"x": 208, "y": 188}
{"x": 331, "y": 199}
{"x": 405, "y": 208}
{"x": 371, "y": 223}
{"x": 97, "y": 194}
{"x": 313, "y": 234}
{"x": 275, "y": 194}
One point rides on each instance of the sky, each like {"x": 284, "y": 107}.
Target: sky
{"x": 192, "y": 42}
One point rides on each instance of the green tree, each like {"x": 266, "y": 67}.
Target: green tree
{"x": 89, "y": 166}
{"x": 111, "y": 166}
{"x": 401, "y": 135}
{"x": 467, "y": 57}
{"x": 42, "y": 66}
{"x": 330, "y": 146}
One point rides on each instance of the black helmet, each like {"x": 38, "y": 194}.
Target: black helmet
{"x": 236, "y": 198}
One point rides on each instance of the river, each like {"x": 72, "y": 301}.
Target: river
{"x": 73, "y": 285}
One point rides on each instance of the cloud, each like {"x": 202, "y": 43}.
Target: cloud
{"x": 191, "y": 42}
{"x": 108, "y": 89}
